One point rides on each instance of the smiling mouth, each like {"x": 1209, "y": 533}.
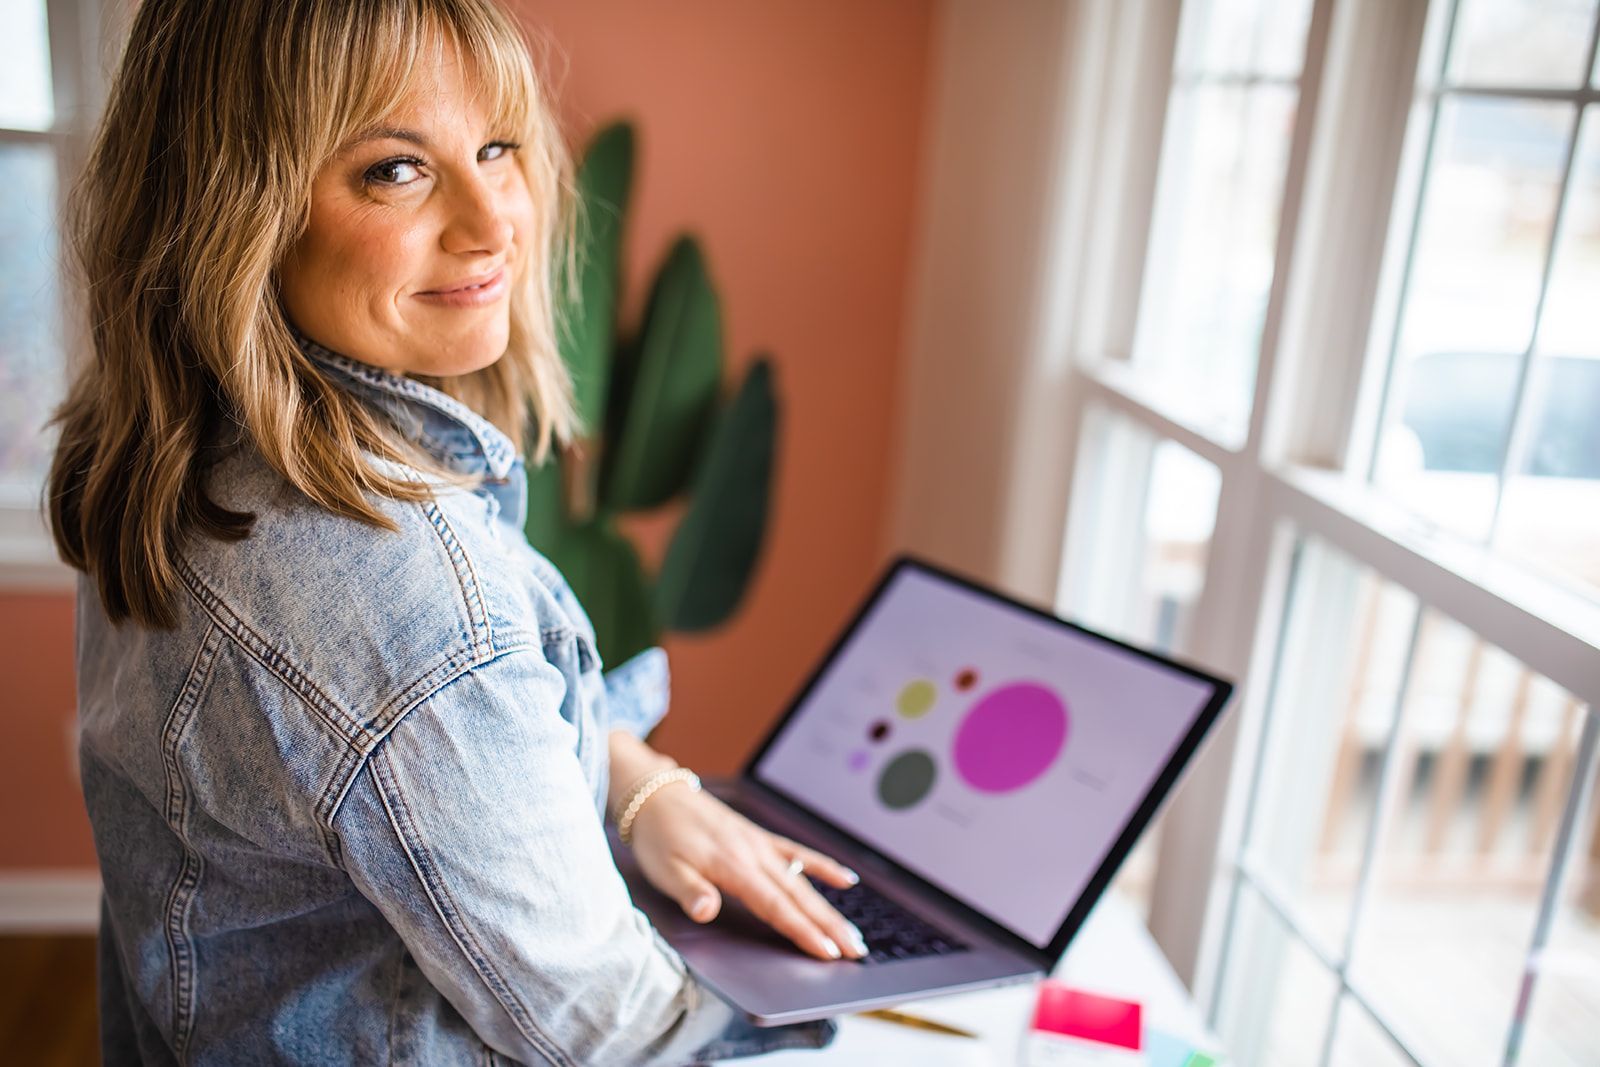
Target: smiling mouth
{"x": 487, "y": 280}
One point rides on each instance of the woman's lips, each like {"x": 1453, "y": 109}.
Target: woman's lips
{"x": 470, "y": 295}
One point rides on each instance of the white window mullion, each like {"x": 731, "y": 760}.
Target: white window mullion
{"x": 1143, "y": 37}
{"x": 1333, "y": 280}
{"x": 1372, "y": 423}
{"x": 1519, "y": 434}
{"x": 1230, "y": 615}
{"x": 1578, "y": 800}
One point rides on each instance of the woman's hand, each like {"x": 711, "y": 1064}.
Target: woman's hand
{"x": 693, "y": 847}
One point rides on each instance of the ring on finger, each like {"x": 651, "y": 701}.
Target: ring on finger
{"x": 796, "y": 867}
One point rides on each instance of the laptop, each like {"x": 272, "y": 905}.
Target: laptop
{"x": 984, "y": 766}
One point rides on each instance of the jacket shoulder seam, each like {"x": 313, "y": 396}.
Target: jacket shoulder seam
{"x": 264, "y": 652}
{"x": 480, "y": 634}
{"x": 395, "y": 712}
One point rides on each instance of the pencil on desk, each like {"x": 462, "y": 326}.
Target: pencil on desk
{"x": 889, "y": 1015}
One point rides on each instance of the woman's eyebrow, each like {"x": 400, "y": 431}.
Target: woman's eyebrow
{"x": 383, "y": 133}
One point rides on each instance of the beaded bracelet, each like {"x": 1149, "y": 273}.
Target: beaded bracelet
{"x": 642, "y": 792}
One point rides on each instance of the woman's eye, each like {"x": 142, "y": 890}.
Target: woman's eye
{"x": 398, "y": 171}
{"x": 496, "y": 149}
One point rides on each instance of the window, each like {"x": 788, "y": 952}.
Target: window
{"x": 48, "y": 97}
{"x": 1492, "y": 349}
{"x": 1230, "y": 113}
{"x": 1365, "y": 336}
{"x": 1405, "y": 809}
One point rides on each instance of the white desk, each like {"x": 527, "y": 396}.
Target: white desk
{"x": 1113, "y": 954}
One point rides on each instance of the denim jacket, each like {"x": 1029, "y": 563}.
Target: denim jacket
{"x": 350, "y": 810}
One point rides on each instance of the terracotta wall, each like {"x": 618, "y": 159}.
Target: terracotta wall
{"x": 41, "y": 811}
{"x": 785, "y": 133}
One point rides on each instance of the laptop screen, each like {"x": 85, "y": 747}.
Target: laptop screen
{"x": 997, "y": 753}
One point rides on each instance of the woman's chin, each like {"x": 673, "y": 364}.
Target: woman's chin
{"x": 447, "y": 357}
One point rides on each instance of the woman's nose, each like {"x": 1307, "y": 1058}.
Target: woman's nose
{"x": 478, "y": 220}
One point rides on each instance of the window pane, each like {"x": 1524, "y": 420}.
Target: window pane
{"x": 1135, "y": 556}
{"x": 1142, "y": 514}
{"x": 1550, "y": 513}
{"x": 1529, "y": 43}
{"x": 1339, "y": 676}
{"x": 1488, "y": 210}
{"x": 30, "y": 318}
{"x": 1275, "y": 996}
{"x": 1564, "y": 1012}
{"x": 1358, "y": 1041}
{"x": 1212, "y": 247}
{"x": 26, "y": 99}
{"x": 1481, "y": 764}
{"x": 1265, "y": 38}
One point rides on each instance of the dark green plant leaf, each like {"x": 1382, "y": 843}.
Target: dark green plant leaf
{"x": 608, "y": 580}
{"x": 546, "y": 523}
{"x": 714, "y": 549}
{"x": 624, "y": 375}
{"x": 673, "y": 390}
{"x": 604, "y": 181}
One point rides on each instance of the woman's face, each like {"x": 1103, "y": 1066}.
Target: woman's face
{"x": 403, "y": 221}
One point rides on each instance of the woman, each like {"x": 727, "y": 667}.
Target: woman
{"x": 345, "y": 743}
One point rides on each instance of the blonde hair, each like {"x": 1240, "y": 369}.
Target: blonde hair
{"x": 219, "y": 118}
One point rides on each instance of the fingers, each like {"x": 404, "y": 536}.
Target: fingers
{"x": 700, "y": 847}
{"x": 823, "y": 915}
{"x": 770, "y": 894}
{"x": 697, "y": 897}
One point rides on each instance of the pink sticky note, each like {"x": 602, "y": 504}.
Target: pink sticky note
{"x": 1089, "y": 1016}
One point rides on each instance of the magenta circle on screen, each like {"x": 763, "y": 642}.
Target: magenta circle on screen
{"x": 859, "y": 759}
{"x": 1010, "y": 737}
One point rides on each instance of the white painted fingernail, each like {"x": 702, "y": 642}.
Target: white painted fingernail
{"x": 852, "y": 876}
{"x": 830, "y": 948}
{"x": 857, "y": 941}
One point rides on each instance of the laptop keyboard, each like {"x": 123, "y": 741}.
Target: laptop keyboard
{"x": 892, "y": 932}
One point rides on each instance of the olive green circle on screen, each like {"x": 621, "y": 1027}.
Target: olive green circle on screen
{"x": 906, "y": 779}
{"x": 916, "y": 698}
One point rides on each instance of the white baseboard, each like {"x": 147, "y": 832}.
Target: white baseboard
{"x": 49, "y": 902}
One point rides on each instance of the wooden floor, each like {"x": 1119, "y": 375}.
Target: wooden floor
{"x": 47, "y": 1001}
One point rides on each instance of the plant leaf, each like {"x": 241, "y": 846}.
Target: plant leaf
{"x": 546, "y": 523}
{"x": 715, "y": 547}
{"x": 673, "y": 387}
{"x": 609, "y": 581}
{"x": 604, "y": 181}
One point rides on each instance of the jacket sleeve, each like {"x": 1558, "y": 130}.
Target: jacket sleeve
{"x": 472, "y": 828}
{"x": 637, "y": 693}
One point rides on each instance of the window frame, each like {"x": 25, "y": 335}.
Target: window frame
{"x": 1299, "y": 470}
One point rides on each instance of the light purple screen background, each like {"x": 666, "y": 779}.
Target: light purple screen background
{"x": 1022, "y": 856}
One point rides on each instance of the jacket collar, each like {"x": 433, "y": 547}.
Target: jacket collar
{"x": 447, "y": 428}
